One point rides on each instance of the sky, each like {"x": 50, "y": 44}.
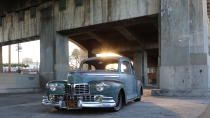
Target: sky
{"x": 29, "y": 50}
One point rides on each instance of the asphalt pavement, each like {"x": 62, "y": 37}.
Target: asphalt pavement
{"x": 28, "y": 105}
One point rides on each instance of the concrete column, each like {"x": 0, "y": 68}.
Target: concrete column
{"x": 145, "y": 68}
{"x": 54, "y": 53}
{"x": 184, "y": 65}
{"x": 61, "y": 57}
{"x": 1, "y": 63}
{"x": 140, "y": 66}
{"x": 47, "y": 43}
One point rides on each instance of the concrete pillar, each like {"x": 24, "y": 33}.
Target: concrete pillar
{"x": 53, "y": 48}
{"x": 145, "y": 68}
{"x": 140, "y": 66}
{"x": 184, "y": 65}
{"x": 1, "y": 63}
{"x": 47, "y": 57}
{"x": 61, "y": 57}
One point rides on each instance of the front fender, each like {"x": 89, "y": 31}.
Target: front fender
{"x": 60, "y": 87}
{"x": 115, "y": 87}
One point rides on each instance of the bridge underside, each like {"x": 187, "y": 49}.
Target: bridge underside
{"x": 122, "y": 37}
{"x": 171, "y": 35}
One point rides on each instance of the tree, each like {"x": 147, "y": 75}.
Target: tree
{"x": 15, "y": 65}
{"x": 5, "y": 64}
{"x": 74, "y": 58}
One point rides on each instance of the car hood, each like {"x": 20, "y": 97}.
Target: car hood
{"x": 87, "y": 76}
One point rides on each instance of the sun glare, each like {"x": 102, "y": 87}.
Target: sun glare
{"x": 106, "y": 54}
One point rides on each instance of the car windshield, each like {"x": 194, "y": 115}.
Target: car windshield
{"x": 100, "y": 64}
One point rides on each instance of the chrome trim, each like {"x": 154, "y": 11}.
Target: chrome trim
{"x": 46, "y": 102}
{"x": 113, "y": 76}
{"x": 105, "y": 103}
{"x": 44, "y": 97}
{"x": 108, "y": 75}
{"x": 81, "y": 104}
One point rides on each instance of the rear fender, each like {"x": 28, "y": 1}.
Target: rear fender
{"x": 139, "y": 87}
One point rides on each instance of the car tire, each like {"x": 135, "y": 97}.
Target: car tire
{"x": 118, "y": 104}
{"x": 57, "y": 108}
{"x": 138, "y": 99}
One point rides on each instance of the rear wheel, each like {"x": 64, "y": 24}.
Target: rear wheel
{"x": 138, "y": 99}
{"x": 119, "y": 103}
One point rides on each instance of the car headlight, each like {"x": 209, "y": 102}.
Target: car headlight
{"x": 53, "y": 86}
{"x": 101, "y": 86}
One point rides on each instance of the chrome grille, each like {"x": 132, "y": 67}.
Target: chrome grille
{"x": 69, "y": 97}
{"x": 78, "y": 89}
{"x": 81, "y": 89}
{"x": 88, "y": 98}
{"x": 57, "y": 97}
{"x": 68, "y": 89}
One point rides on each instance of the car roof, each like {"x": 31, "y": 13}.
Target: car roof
{"x": 107, "y": 57}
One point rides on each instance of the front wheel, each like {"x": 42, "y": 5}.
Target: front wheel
{"x": 119, "y": 103}
{"x": 57, "y": 108}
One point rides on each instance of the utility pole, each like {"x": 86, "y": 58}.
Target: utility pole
{"x": 18, "y": 49}
{"x": 9, "y": 58}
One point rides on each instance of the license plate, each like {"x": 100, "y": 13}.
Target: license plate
{"x": 71, "y": 103}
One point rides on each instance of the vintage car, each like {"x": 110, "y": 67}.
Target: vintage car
{"x": 100, "y": 82}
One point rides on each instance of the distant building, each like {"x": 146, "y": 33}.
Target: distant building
{"x": 27, "y": 61}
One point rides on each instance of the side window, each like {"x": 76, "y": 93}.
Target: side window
{"x": 112, "y": 67}
{"x": 92, "y": 68}
{"x": 125, "y": 67}
{"x": 86, "y": 66}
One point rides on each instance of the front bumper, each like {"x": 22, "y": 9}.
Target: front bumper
{"x": 106, "y": 102}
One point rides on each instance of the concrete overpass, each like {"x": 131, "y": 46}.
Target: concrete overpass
{"x": 171, "y": 35}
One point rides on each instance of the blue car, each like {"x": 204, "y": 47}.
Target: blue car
{"x": 100, "y": 82}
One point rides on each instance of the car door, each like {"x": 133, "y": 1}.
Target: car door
{"x": 128, "y": 78}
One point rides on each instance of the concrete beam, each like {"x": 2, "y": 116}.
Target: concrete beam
{"x": 103, "y": 11}
{"x": 155, "y": 25}
{"x": 79, "y": 45}
{"x": 98, "y": 38}
{"x": 128, "y": 35}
